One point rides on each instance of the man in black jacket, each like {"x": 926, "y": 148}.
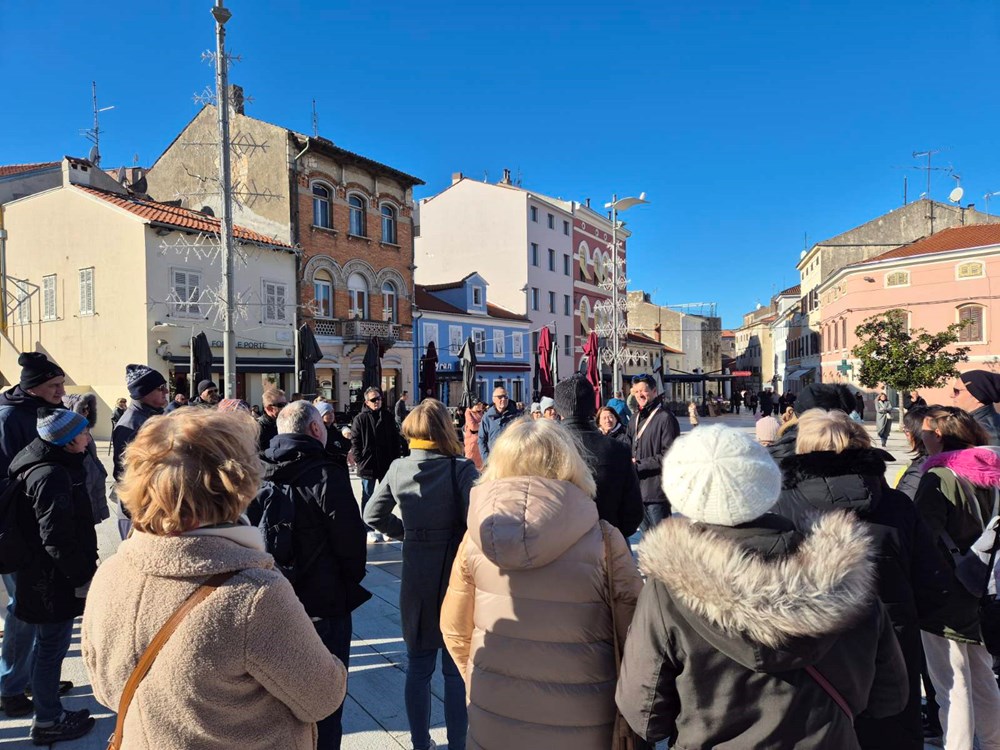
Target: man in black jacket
{"x": 42, "y": 384}
{"x": 327, "y": 534}
{"x": 652, "y": 432}
{"x": 274, "y": 401}
{"x": 619, "y": 501}
{"x": 376, "y": 443}
{"x": 59, "y": 530}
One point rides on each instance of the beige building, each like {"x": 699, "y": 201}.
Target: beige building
{"x": 101, "y": 278}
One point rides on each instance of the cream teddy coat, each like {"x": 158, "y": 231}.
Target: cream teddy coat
{"x": 245, "y": 669}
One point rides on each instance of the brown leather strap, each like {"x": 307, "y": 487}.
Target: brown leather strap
{"x": 161, "y": 637}
{"x": 830, "y": 690}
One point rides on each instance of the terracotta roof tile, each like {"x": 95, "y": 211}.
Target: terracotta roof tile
{"x": 797, "y": 289}
{"x": 956, "y": 238}
{"x": 427, "y": 301}
{"x": 175, "y": 216}
{"x": 12, "y": 169}
{"x": 495, "y": 311}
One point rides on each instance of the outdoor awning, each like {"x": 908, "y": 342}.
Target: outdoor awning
{"x": 799, "y": 374}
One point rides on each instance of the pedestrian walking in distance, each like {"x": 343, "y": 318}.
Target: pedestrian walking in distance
{"x": 496, "y": 419}
{"x": 836, "y": 468}
{"x": 528, "y": 615}
{"x": 431, "y": 486}
{"x": 750, "y": 633}
{"x": 957, "y": 497}
{"x": 245, "y": 668}
{"x": 59, "y": 531}
{"x": 883, "y": 418}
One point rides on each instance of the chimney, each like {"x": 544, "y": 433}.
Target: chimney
{"x": 506, "y": 177}
{"x": 456, "y": 177}
{"x": 588, "y": 202}
{"x": 236, "y": 98}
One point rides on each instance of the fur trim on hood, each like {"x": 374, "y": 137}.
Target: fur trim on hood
{"x": 862, "y": 461}
{"x": 980, "y": 465}
{"x": 822, "y": 588}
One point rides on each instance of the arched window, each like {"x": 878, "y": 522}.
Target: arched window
{"x": 388, "y": 224}
{"x": 599, "y": 266}
{"x": 321, "y": 205}
{"x": 584, "y": 316}
{"x": 584, "y": 252}
{"x": 973, "y": 331}
{"x": 357, "y": 294}
{"x": 389, "y": 311}
{"x": 359, "y": 221}
{"x": 843, "y": 338}
{"x": 323, "y": 294}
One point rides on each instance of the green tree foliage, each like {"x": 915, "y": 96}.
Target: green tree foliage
{"x": 906, "y": 359}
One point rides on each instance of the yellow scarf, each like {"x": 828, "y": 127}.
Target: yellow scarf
{"x": 423, "y": 445}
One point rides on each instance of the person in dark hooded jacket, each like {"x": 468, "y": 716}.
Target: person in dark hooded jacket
{"x": 909, "y": 478}
{"x": 836, "y": 468}
{"x": 813, "y": 396}
{"x": 977, "y": 391}
{"x": 619, "y": 500}
{"x": 328, "y": 535}
{"x": 51, "y": 588}
{"x": 743, "y": 617}
{"x": 652, "y": 432}
{"x": 85, "y": 405}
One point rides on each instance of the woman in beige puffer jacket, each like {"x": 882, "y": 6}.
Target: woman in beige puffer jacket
{"x": 527, "y": 617}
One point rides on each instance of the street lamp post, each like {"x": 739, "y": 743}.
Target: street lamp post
{"x": 618, "y": 303}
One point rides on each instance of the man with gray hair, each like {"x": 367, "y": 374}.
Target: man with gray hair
{"x": 376, "y": 443}
{"x": 327, "y": 534}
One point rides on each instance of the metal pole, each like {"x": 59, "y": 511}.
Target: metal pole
{"x": 222, "y": 15}
{"x": 615, "y": 343}
{"x": 295, "y": 377}
{"x": 191, "y": 381}
{"x": 3, "y": 275}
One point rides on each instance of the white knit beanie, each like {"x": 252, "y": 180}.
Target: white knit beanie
{"x": 718, "y": 475}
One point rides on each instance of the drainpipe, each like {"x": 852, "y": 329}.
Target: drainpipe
{"x": 3, "y": 275}
{"x": 294, "y": 193}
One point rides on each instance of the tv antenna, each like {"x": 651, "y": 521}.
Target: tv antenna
{"x": 987, "y": 199}
{"x": 94, "y": 134}
{"x": 315, "y": 121}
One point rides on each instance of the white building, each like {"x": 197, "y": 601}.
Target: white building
{"x": 102, "y": 278}
{"x": 787, "y": 303}
{"x": 520, "y": 240}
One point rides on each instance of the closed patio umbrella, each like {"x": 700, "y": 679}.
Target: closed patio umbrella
{"x": 372, "y": 376}
{"x": 309, "y": 355}
{"x": 543, "y": 363}
{"x": 467, "y": 356}
{"x": 428, "y": 372}
{"x": 203, "y": 360}
{"x": 593, "y": 372}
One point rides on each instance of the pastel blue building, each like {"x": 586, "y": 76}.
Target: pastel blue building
{"x": 448, "y": 314}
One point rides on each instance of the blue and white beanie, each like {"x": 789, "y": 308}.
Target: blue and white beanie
{"x": 59, "y": 426}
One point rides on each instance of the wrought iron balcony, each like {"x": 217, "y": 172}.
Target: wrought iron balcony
{"x": 358, "y": 331}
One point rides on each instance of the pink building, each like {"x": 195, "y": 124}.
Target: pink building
{"x": 945, "y": 278}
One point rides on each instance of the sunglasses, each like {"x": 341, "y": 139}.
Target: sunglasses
{"x": 375, "y": 400}
{"x": 281, "y": 404}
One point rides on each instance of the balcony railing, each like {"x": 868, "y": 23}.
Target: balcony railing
{"x": 358, "y": 331}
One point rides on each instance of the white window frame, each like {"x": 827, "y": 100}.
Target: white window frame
{"x": 320, "y": 201}
{"x": 455, "y": 339}
{"x": 890, "y": 274}
{"x": 960, "y": 266}
{"x": 517, "y": 345}
{"x": 982, "y": 322}
{"x": 353, "y": 210}
{"x": 477, "y": 296}
{"x": 87, "y": 302}
{"x": 390, "y": 307}
{"x": 22, "y": 314}
{"x": 186, "y": 305}
{"x": 499, "y": 349}
{"x": 328, "y": 286}
{"x": 50, "y": 288}
{"x": 430, "y": 334}
{"x": 392, "y": 236}
{"x": 352, "y": 294}
{"x": 274, "y": 312}
{"x": 479, "y": 339}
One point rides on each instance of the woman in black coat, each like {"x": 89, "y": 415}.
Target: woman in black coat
{"x": 835, "y": 468}
{"x": 610, "y": 425}
{"x": 51, "y": 587}
{"x": 909, "y": 480}
{"x": 431, "y": 487}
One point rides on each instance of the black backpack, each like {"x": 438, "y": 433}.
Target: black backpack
{"x": 15, "y": 551}
{"x": 276, "y": 506}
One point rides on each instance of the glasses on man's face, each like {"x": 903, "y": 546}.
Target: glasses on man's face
{"x": 280, "y": 404}
{"x": 375, "y": 400}
{"x": 500, "y": 397}
{"x": 164, "y": 389}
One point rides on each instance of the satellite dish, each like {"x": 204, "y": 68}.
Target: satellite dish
{"x": 956, "y": 195}
{"x": 802, "y": 255}
{"x": 94, "y": 157}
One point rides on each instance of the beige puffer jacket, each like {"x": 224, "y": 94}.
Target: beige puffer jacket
{"x": 527, "y": 617}
{"x": 245, "y": 669}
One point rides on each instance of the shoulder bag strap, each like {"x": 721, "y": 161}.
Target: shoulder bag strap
{"x": 459, "y": 521}
{"x": 611, "y": 594}
{"x": 161, "y": 637}
{"x": 830, "y": 690}
{"x": 645, "y": 424}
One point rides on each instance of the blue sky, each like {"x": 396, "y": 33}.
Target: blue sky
{"x": 749, "y": 125}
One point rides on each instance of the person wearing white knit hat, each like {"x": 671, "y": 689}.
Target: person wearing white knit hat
{"x": 749, "y": 629}
{"x": 717, "y": 475}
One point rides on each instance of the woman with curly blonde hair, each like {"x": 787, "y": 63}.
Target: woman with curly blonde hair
{"x": 188, "y": 478}
{"x": 528, "y": 614}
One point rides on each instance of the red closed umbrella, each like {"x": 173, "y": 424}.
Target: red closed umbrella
{"x": 591, "y": 352}
{"x": 544, "y": 363}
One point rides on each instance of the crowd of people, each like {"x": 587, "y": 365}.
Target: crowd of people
{"x": 785, "y": 595}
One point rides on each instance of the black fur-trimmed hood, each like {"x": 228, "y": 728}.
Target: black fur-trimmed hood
{"x": 824, "y": 480}
{"x": 861, "y": 461}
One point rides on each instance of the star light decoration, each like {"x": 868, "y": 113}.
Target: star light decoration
{"x": 605, "y": 322}
{"x": 206, "y": 247}
{"x": 208, "y": 303}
